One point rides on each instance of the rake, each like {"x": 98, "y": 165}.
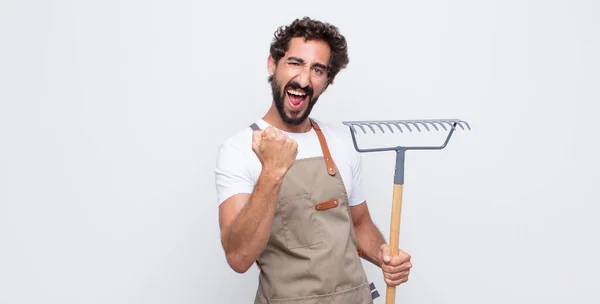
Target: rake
{"x": 449, "y": 125}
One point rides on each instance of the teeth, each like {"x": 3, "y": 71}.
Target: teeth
{"x": 297, "y": 93}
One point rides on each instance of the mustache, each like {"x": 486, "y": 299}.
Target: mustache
{"x": 294, "y": 85}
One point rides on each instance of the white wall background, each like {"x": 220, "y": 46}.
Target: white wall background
{"x": 107, "y": 143}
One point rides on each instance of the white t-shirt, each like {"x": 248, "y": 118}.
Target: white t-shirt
{"x": 238, "y": 168}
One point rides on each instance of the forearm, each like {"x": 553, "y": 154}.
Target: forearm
{"x": 247, "y": 236}
{"x": 369, "y": 240}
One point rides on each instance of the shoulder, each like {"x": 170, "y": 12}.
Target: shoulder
{"x": 235, "y": 152}
{"x": 237, "y": 167}
{"x": 240, "y": 142}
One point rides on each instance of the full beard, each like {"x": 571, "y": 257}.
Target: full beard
{"x": 279, "y": 99}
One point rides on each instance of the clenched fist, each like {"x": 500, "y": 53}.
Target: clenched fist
{"x": 275, "y": 150}
{"x": 395, "y": 268}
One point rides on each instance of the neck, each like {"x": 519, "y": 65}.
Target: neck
{"x": 272, "y": 117}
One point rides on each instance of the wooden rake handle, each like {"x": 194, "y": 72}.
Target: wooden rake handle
{"x": 390, "y": 294}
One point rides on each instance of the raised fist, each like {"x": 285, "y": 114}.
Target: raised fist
{"x": 275, "y": 150}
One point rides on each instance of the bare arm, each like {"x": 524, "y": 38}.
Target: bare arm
{"x": 246, "y": 221}
{"x": 368, "y": 235}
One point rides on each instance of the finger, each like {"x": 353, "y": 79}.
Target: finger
{"x": 292, "y": 143}
{"x": 394, "y": 276}
{"x": 386, "y": 253}
{"x": 275, "y": 130}
{"x": 404, "y": 255}
{"x": 257, "y": 134}
{"x": 281, "y": 136}
{"x": 256, "y": 138}
{"x": 394, "y": 266}
{"x": 275, "y": 134}
{"x": 270, "y": 132}
{"x": 396, "y": 282}
{"x": 399, "y": 260}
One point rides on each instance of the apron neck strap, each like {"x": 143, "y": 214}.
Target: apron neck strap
{"x": 326, "y": 154}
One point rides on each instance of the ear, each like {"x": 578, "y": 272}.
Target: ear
{"x": 271, "y": 65}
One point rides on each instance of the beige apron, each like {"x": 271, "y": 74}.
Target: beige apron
{"x": 312, "y": 254}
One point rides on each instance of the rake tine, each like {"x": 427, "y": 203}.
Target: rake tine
{"x": 352, "y": 127}
{"x": 416, "y": 126}
{"x": 407, "y": 126}
{"x": 460, "y": 125}
{"x": 379, "y": 126}
{"x": 467, "y": 124}
{"x": 441, "y": 124}
{"x": 361, "y": 127}
{"x": 424, "y": 125}
{"x": 454, "y": 123}
{"x": 398, "y": 126}
{"x": 369, "y": 125}
{"x": 433, "y": 124}
{"x": 449, "y": 123}
{"x": 387, "y": 125}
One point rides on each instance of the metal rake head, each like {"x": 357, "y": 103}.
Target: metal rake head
{"x": 452, "y": 123}
{"x": 406, "y": 125}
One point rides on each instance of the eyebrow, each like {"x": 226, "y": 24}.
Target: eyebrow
{"x": 300, "y": 60}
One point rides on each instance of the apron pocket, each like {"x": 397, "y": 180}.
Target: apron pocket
{"x": 300, "y": 225}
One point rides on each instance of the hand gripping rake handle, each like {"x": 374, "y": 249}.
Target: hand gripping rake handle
{"x": 399, "y": 169}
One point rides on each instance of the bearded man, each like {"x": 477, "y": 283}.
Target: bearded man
{"x": 289, "y": 185}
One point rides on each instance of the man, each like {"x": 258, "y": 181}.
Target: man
{"x": 289, "y": 186}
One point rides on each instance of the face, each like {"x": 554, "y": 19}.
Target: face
{"x": 299, "y": 78}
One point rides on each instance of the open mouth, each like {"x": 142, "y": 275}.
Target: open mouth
{"x": 296, "y": 98}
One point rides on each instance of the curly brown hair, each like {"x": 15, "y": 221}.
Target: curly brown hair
{"x": 312, "y": 29}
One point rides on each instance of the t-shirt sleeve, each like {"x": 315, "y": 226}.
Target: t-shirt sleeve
{"x": 232, "y": 172}
{"x": 357, "y": 195}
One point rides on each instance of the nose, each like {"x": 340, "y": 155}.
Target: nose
{"x": 303, "y": 77}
